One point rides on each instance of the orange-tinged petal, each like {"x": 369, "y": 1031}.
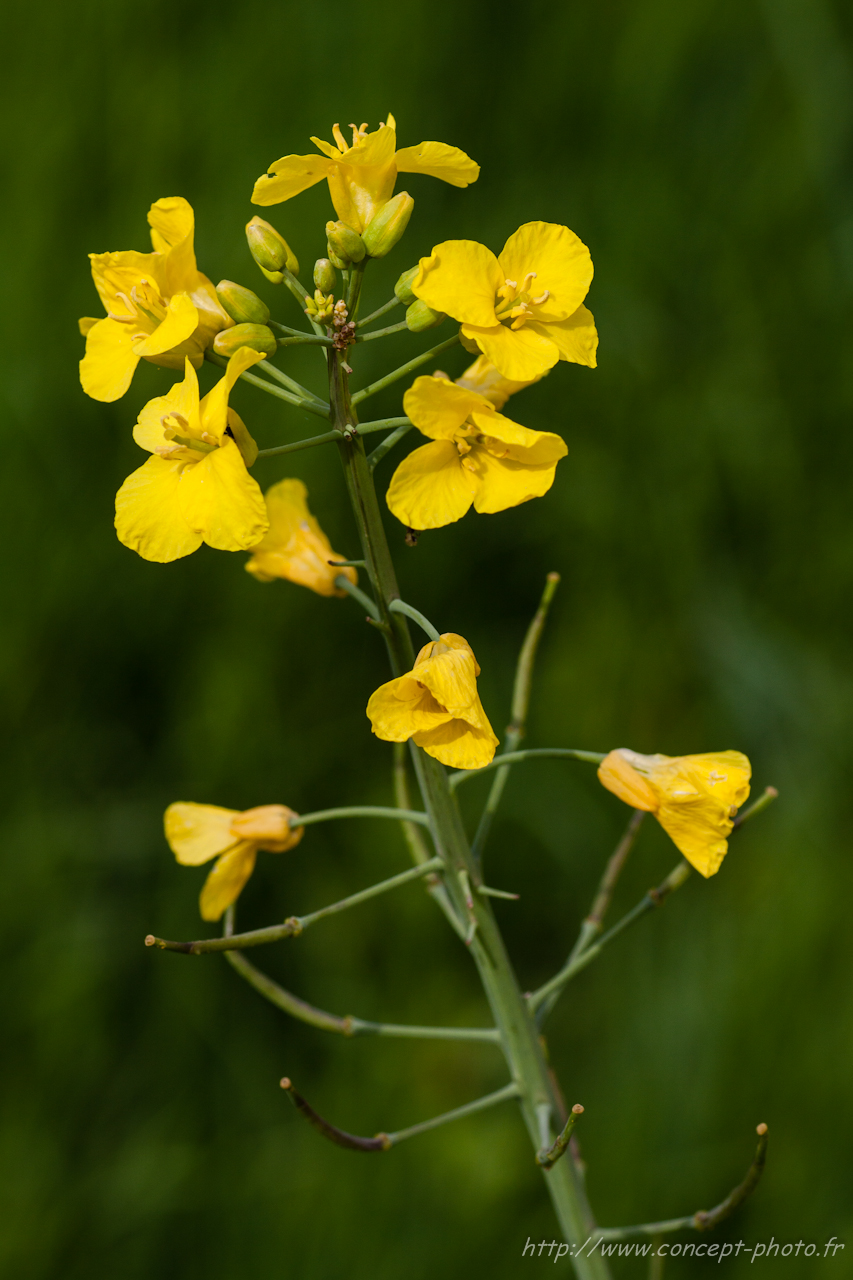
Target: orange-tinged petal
{"x": 617, "y": 775}
{"x": 576, "y": 339}
{"x": 403, "y": 707}
{"x": 438, "y": 407}
{"x": 268, "y": 826}
{"x": 506, "y": 483}
{"x": 461, "y": 278}
{"x": 295, "y": 547}
{"x": 561, "y": 261}
{"x": 198, "y": 832}
{"x": 180, "y": 322}
{"x": 108, "y": 366}
{"x": 487, "y": 381}
{"x": 431, "y": 487}
{"x": 227, "y": 880}
{"x": 458, "y": 745}
{"x": 148, "y": 514}
{"x": 439, "y": 161}
{"x": 288, "y": 177}
{"x": 520, "y": 354}
{"x": 222, "y": 502}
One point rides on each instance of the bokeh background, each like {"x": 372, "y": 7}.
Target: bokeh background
{"x": 702, "y": 527}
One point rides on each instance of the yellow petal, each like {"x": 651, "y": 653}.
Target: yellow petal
{"x": 403, "y": 707}
{"x": 115, "y": 273}
{"x": 560, "y": 259}
{"x": 222, "y": 502}
{"x": 438, "y": 407}
{"x": 243, "y": 440}
{"x": 375, "y": 150}
{"x": 505, "y": 438}
{"x": 576, "y": 339}
{"x": 181, "y": 319}
{"x": 85, "y": 323}
{"x": 179, "y": 405}
{"x": 148, "y": 514}
{"x": 451, "y": 678}
{"x": 268, "y": 826}
{"x": 487, "y": 381}
{"x": 198, "y": 832}
{"x": 226, "y": 881}
{"x": 461, "y": 278}
{"x": 447, "y": 640}
{"x": 213, "y": 410}
{"x": 288, "y": 177}
{"x": 439, "y": 161}
{"x": 506, "y": 483}
{"x": 108, "y": 366}
{"x": 617, "y": 774}
{"x": 295, "y": 547}
{"x": 458, "y": 745}
{"x": 520, "y": 354}
{"x": 431, "y": 488}
{"x": 172, "y": 221}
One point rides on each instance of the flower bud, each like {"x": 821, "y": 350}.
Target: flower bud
{"x": 403, "y": 287}
{"x": 324, "y": 276}
{"x": 345, "y": 245}
{"x": 320, "y": 308}
{"x": 269, "y": 827}
{"x": 385, "y": 227}
{"x": 419, "y": 317}
{"x": 256, "y": 336}
{"x": 270, "y": 250}
{"x": 242, "y": 305}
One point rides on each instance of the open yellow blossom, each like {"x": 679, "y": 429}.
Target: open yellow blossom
{"x": 694, "y": 798}
{"x": 198, "y": 832}
{"x": 477, "y": 456}
{"x": 195, "y": 488}
{"x": 159, "y": 306}
{"x": 295, "y": 547}
{"x": 486, "y": 380}
{"x": 437, "y": 705}
{"x": 361, "y": 177}
{"x": 523, "y": 310}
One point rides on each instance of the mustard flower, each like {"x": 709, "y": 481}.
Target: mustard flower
{"x": 523, "y": 310}
{"x": 159, "y": 306}
{"x": 198, "y": 832}
{"x": 694, "y": 798}
{"x": 195, "y": 488}
{"x": 295, "y": 547}
{"x": 477, "y": 456}
{"x": 486, "y": 380}
{"x": 437, "y": 705}
{"x": 361, "y": 177}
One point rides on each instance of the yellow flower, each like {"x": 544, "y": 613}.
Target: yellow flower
{"x": 198, "y": 832}
{"x": 159, "y": 306}
{"x": 196, "y": 487}
{"x": 296, "y": 547}
{"x": 486, "y": 380}
{"x": 437, "y": 705}
{"x": 524, "y": 309}
{"x": 361, "y": 177}
{"x": 476, "y": 456}
{"x": 694, "y": 798}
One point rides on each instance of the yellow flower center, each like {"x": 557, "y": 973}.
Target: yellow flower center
{"x": 144, "y": 306}
{"x": 186, "y": 444}
{"x": 359, "y": 133}
{"x": 515, "y": 302}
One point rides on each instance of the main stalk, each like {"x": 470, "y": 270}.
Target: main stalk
{"x": 519, "y": 1038}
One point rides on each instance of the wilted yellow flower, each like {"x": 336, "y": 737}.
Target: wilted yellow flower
{"x": 524, "y": 309}
{"x": 437, "y": 705}
{"x": 694, "y": 798}
{"x": 296, "y": 548}
{"x": 361, "y": 177}
{"x": 159, "y": 306}
{"x": 486, "y": 380}
{"x": 198, "y": 832}
{"x": 196, "y": 487}
{"x": 476, "y": 456}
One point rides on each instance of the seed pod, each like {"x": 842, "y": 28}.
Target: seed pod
{"x": 270, "y": 250}
{"x": 256, "y": 336}
{"x": 385, "y": 227}
{"x": 420, "y": 317}
{"x": 324, "y": 276}
{"x": 242, "y": 305}
{"x": 345, "y": 245}
{"x": 403, "y": 287}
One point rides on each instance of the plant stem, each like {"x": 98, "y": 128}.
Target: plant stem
{"x": 312, "y": 406}
{"x": 382, "y": 333}
{"x": 469, "y": 1109}
{"x": 519, "y": 1037}
{"x": 520, "y": 703}
{"x": 392, "y": 377}
{"x": 343, "y": 583}
{"x": 532, "y": 753}
{"x": 296, "y": 387}
{"x": 294, "y": 925}
{"x": 381, "y": 311}
{"x": 328, "y": 436}
{"x": 387, "y": 444}
{"x": 360, "y": 811}
{"x": 400, "y": 606}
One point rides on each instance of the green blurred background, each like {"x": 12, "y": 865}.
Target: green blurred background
{"x": 702, "y": 527}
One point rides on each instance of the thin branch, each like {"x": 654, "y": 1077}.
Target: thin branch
{"x": 294, "y": 925}
{"x": 328, "y": 437}
{"x": 766, "y": 798}
{"x": 470, "y": 1108}
{"x": 359, "y": 811}
{"x": 704, "y": 1219}
{"x": 532, "y": 753}
{"x": 400, "y": 606}
{"x": 376, "y": 315}
{"x": 348, "y": 1026}
{"x": 280, "y": 394}
{"x": 294, "y": 386}
{"x": 417, "y": 845}
{"x": 376, "y": 455}
{"x": 306, "y": 339}
{"x": 392, "y": 377}
{"x": 383, "y": 333}
{"x": 293, "y": 333}
{"x": 300, "y": 293}
{"x": 549, "y": 1156}
{"x": 339, "y": 1136}
{"x": 520, "y": 704}
{"x": 343, "y": 583}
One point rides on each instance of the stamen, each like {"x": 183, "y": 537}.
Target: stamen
{"x": 543, "y": 297}
{"x": 339, "y": 138}
{"x": 208, "y": 438}
{"x": 527, "y": 281}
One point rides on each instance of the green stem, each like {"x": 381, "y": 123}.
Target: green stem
{"x": 400, "y": 606}
{"x": 297, "y": 401}
{"x": 381, "y": 311}
{"x": 300, "y": 293}
{"x": 306, "y": 339}
{"x": 519, "y": 1037}
{"x": 391, "y": 378}
{"x": 387, "y": 444}
{"x": 532, "y": 753}
{"x": 297, "y": 388}
{"x": 327, "y": 437}
{"x": 469, "y": 1109}
{"x": 417, "y": 845}
{"x": 343, "y": 583}
{"x": 382, "y": 333}
{"x": 360, "y": 811}
{"x": 294, "y": 925}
